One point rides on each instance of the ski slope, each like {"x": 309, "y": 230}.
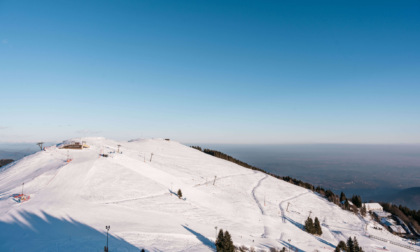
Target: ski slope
{"x": 71, "y": 203}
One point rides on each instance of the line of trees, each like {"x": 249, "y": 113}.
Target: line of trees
{"x": 352, "y": 245}
{"x": 4, "y": 162}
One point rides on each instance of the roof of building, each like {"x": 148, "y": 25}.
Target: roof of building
{"x": 372, "y": 206}
{"x": 382, "y": 214}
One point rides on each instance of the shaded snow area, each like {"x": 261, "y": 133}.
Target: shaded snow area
{"x": 71, "y": 203}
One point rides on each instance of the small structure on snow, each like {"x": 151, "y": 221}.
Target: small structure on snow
{"x": 373, "y": 207}
{"x": 73, "y": 145}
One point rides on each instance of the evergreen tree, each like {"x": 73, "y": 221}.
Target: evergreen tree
{"x": 342, "y": 197}
{"x": 220, "y": 241}
{"x": 142, "y": 250}
{"x": 227, "y": 243}
{"x": 309, "y": 225}
{"x": 357, "y": 248}
{"x": 350, "y": 245}
{"x": 356, "y": 245}
{"x": 317, "y": 227}
{"x": 356, "y": 200}
{"x": 179, "y": 193}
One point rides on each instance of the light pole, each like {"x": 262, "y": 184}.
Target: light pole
{"x": 290, "y": 245}
{"x": 216, "y": 232}
{"x": 107, "y": 230}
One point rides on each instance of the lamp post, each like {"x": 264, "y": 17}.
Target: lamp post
{"x": 107, "y": 230}
{"x": 216, "y": 231}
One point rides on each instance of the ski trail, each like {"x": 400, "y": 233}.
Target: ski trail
{"x": 266, "y": 231}
{"x": 134, "y": 199}
{"x": 255, "y": 198}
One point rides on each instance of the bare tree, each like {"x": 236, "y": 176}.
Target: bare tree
{"x": 40, "y": 144}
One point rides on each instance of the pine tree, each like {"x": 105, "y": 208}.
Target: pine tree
{"x": 317, "y": 227}
{"x": 356, "y": 245}
{"x": 356, "y": 200}
{"x": 179, "y": 193}
{"x": 342, "y": 197}
{"x": 309, "y": 225}
{"x": 350, "y": 245}
{"x": 228, "y": 244}
{"x": 142, "y": 250}
{"x": 220, "y": 241}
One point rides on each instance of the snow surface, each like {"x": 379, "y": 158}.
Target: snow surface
{"x": 71, "y": 203}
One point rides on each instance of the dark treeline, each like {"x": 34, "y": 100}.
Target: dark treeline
{"x": 4, "y": 162}
{"x": 411, "y": 216}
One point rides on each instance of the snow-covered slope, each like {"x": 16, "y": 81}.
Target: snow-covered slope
{"x": 71, "y": 203}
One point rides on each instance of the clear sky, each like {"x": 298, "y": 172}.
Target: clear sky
{"x": 211, "y": 71}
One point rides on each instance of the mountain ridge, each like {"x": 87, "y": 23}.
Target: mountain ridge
{"x": 132, "y": 191}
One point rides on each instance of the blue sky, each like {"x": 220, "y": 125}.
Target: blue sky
{"x": 211, "y": 71}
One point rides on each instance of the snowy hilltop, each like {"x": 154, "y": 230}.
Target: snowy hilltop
{"x": 132, "y": 187}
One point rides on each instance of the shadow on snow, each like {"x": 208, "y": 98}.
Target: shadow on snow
{"x": 32, "y": 232}
{"x": 201, "y": 238}
{"x": 291, "y": 247}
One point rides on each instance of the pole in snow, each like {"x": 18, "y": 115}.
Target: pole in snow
{"x": 119, "y": 148}
{"x": 287, "y": 208}
{"x": 22, "y": 187}
{"x": 216, "y": 231}
{"x": 107, "y": 230}
{"x": 214, "y": 180}
{"x": 151, "y": 156}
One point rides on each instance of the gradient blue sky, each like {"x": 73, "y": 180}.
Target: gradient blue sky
{"x": 211, "y": 71}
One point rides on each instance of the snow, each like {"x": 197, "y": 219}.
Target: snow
{"x": 71, "y": 203}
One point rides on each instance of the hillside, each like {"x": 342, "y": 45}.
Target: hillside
{"x": 408, "y": 197}
{"x": 71, "y": 203}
